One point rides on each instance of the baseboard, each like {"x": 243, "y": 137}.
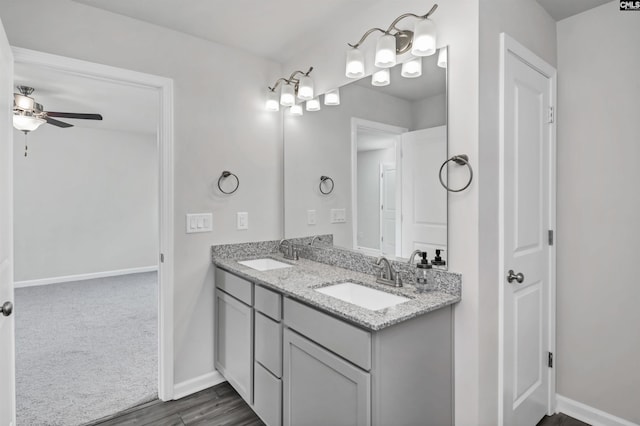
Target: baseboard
{"x": 588, "y": 414}
{"x": 80, "y": 277}
{"x": 191, "y": 386}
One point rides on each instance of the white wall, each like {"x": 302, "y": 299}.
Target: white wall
{"x": 458, "y": 28}
{"x": 85, "y": 201}
{"x": 598, "y": 204}
{"x": 528, "y": 23}
{"x": 220, "y": 124}
{"x": 369, "y": 194}
{"x": 320, "y": 144}
{"x": 429, "y": 112}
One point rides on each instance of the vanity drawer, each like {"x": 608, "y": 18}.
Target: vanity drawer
{"x": 237, "y": 287}
{"x": 268, "y": 302}
{"x": 268, "y": 343}
{"x": 267, "y": 400}
{"x": 346, "y": 340}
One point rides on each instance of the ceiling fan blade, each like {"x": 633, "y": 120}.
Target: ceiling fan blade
{"x": 74, "y": 115}
{"x": 57, "y": 123}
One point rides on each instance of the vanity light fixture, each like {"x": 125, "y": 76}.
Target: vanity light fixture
{"x": 313, "y": 104}
{"x": 299, "y": 85}
{"x": 394, "y": 41}
{"x": 412, "y": 68}
{"x": 296, "y": 109}
{"x": 381, "y": 78}
{"x": 442, "y": 57}
{"x": 332, "y": 97}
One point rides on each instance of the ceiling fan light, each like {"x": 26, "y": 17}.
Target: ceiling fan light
{"x": 412, "y": 68}
{"x": 287, "y": 95}
{"x": 386, "y": 51}
{"x": 332, "y": 97}
{"x": 23, "y": 102}
{"x": 272, "y": 103}
{"x": 27, "y": 123}
{"x": 381, "y": 77}
{"x": 305, "y": 88}
{"x": 424, "y": 38}
{"x": 355, "y": 63}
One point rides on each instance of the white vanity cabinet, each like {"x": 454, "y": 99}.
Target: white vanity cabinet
{"x": 297, "y": 365}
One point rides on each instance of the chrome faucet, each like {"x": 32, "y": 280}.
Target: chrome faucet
{"x": 412, "y": 259}
{"x": 387, "y": 274}
{"x": 291, "y": 253}
{"x": 313, "y": 240}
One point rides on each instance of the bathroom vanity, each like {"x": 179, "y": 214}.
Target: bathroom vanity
{"x": 298, "y": 356}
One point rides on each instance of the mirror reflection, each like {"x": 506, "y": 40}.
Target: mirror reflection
{"x": 382, "y": 147}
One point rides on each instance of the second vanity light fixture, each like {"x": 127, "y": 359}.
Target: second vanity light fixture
{"x": 394, "y": 41}
{"x": 299, "y": 85}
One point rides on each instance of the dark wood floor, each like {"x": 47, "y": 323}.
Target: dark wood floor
{"x": 222, "y": 406}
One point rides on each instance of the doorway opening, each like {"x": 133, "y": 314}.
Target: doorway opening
{"x": 93, "y": 220}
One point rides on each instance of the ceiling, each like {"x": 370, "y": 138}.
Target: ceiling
{"x": 125, "y": 108}
{"x": 561, "y": 9}
{"x": 275, "y": 29}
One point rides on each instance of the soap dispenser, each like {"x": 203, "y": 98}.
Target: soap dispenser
{"x": 425, "y": 279}
{"x": 438, "y": 261}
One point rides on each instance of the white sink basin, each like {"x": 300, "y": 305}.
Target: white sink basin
{"x": 265, "y": 264}
{"x": 360, "y": 295}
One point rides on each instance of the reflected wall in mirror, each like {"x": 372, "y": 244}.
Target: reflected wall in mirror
{"x": 383, "y": 147}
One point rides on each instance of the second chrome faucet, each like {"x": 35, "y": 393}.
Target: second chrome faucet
{"x": 387, "y": 275}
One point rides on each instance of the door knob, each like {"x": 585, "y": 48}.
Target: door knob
{"x": 6, "y": 309}
{"x": 513, "y": 276}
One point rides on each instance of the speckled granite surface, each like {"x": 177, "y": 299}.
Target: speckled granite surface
{"x": 300, "y": 281}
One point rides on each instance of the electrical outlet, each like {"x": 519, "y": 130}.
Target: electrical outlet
{"x": 311, "y": 217}
{"x": 243, "y": 220}
{"x": 199, "y": 222}
{"x": 338, "y": 215}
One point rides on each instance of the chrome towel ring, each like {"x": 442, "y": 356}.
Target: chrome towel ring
{"x": 325, "y": 179}
{"x": 461, "y": 160}
{"x": 225, "y": 174}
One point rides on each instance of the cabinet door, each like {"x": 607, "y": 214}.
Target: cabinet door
{"x": 234, "y": 343}
{"x": 321, "y": 388}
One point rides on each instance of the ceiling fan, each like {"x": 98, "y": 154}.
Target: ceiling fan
{"x": 28, "y": 115}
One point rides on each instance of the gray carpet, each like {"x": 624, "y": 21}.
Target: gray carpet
{"x": 85, "y": 349}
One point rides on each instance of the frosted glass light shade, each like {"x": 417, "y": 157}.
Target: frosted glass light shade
{"x": 424, "y": 38}
{"x": 26, "y": 123}
{"x": 355, "y": 64}
{"x": 23, "y": 102}
{"x": 381, "y": 78}
{"x": 412, "y": 68}
{"x": 305, "y": 88}
{"x": 296, "y": 109}
{"x": 287, "y": 95}
{"x": 386, "y": 51}
{"x": 332, "y": 97}
{"x": 442, "y": 57}
{"x": 272, "y": 103}
{"x": 313, "y": 104}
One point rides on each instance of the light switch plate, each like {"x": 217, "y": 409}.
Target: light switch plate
{"x": 243, "y": 220}
{"x": 199, "y": 222}
{"x": 338, "y": 215}
{"x": 311, "y": 217}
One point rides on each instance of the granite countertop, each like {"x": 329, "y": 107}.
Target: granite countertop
{"x": 299, "y": 282}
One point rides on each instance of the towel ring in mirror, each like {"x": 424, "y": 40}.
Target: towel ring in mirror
{"x": 325, "y": 179}
{"x": 461, "y": 160}
{"x": 225, "y": 174}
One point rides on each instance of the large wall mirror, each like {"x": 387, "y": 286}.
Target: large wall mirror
{"x": 382, "y": 149}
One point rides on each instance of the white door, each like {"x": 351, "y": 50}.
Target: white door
{"x": 7, "y": 365}
{"x": 527, "y": 216}
{"x": 388, "y": 209}
{"x": 424, "y": 200}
